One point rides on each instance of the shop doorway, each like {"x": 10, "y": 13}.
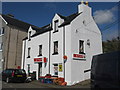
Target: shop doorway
{"x": 39, "y": 69}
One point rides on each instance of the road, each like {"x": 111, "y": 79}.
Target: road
{"x": 37, "y": 84}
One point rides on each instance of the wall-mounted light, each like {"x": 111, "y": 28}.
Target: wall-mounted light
{"x": 76, "y": 31}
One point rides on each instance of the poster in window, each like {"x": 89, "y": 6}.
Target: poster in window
{"x": 60, "y": 67}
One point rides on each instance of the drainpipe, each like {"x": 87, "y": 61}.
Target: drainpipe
{"x": 49, "y": 49}
{"x": 64, "y": 48}
{"x": 24, "y": 53}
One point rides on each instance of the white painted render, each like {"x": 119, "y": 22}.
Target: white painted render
{"x": 75, "y": 31}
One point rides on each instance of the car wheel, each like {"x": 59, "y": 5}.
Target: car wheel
{"x": 7, "y": 80}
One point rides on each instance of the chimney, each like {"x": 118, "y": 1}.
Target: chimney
{"x": 10, "y": 15}
{"x": 84, "y": 8}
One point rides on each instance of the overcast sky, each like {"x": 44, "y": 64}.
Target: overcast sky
{"x": 41, "y": 13}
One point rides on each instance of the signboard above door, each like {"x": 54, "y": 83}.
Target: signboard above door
{"x": 79, "y": 56}
{"x": 40, "y": 60}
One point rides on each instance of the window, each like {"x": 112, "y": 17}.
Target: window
{"x": 2, "y": 31}
{"x": 81, "y": 46}
{"x": 56, "y": 26}
{"x": 29, "y": 35}
{"x": 55, "y": 47}
{"x": 55, "y": 69}
{"x": 28, "y": 66}
{"x": 1, "y": 45}
{"x": 40, "y": 50}
{"x": 28, "y": 52}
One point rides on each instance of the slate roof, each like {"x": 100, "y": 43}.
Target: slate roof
{"x": 67, "y": 20}
{"x": 15, "y": 22}
{"x": 43, "y": 30}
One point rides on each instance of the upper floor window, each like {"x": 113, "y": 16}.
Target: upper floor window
{"x": 40, "y": 50}
{"x": 81, "y": 46}
{"x": 56, "y": 25}
{"x": 2, "y": 31}
{"x": 28, "y": 52}
{"x": 1, "y": 45}
{"x": 29, "y": 37}
{"x": 55, "y": 47}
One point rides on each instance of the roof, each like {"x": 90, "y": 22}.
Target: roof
{"x": 67, "y": 20}
{"x": 15, "y": 22}
{"x": 43, "y": 30}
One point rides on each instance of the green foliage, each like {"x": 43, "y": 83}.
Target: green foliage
{"x": 111, "y": 45}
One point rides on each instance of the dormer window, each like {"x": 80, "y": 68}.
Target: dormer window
{"x": 56, "y": 26}
{"x": 29, "y": 36}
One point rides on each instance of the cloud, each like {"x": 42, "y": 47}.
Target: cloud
{"x": 105, "y": 16}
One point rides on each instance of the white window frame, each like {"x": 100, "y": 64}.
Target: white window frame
{"x": 56, "y": 25}
{"x": 81, "y": 47}
{"x": 2, "y": 30}
{"x": 40, "y": 50}
{"x": 1, "y": 46}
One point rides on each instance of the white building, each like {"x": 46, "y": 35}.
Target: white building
{"x": 75, "y": 38}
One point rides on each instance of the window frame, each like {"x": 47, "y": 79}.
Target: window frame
{"x": 56, "y": 73}
{"x": 2, "y": 30}
{"x": 29, "y": 36}
{"x": 81, "y": 47}
{"x": 55, "y": 48}
{"x": 29, "y": 52}
{"x": 1, "y": 46}
{"x": 56, "y": 26}
{"x": 40, "y": 50}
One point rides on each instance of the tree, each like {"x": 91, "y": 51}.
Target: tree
{"x": 111, "y": 45}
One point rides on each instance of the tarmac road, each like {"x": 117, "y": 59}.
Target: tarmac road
{"x": 37, "y": 85}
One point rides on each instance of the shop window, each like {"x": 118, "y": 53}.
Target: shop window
{"x": 56, "y": 69}
{"x": 2, "y": 31}
{"x": 55, "y": 47}
{"x": 29, "y": 38}
{"x": 28, "y": 52}
{"x": 81, "y": 47}
{"x": 56, "y": 26}
{"x": 40, "y": 50}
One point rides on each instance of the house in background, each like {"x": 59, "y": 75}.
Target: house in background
{"x": 12, "y": 32}
{"x": 64, "y": 48}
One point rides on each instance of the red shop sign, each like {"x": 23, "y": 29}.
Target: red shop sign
{"x": 79, "y": 56}
{"x": 37, "y": 59}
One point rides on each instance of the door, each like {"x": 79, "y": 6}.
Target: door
{"x": 39, "y": 69}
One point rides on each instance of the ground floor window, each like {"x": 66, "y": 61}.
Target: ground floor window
{"x": 56, "y": 69}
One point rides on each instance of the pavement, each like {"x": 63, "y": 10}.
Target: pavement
{"x": 37, "y": 84}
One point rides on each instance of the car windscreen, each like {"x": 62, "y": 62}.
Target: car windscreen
{"x": 20, "y": 71}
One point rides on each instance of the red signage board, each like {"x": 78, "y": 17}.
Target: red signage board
{"x": 37, "y": 59}
{"x": 45, "y": 60}
{"x": 79, "y": 56}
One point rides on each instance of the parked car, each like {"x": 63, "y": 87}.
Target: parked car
{"x": 13, "y": 75}
{"x": 105, "y": 70}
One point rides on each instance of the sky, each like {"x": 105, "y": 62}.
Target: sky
{"x": 41, "y": 13}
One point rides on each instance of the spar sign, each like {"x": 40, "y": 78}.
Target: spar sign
{"x": 79, "y": 56}
{"x": 38, "y": 60}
